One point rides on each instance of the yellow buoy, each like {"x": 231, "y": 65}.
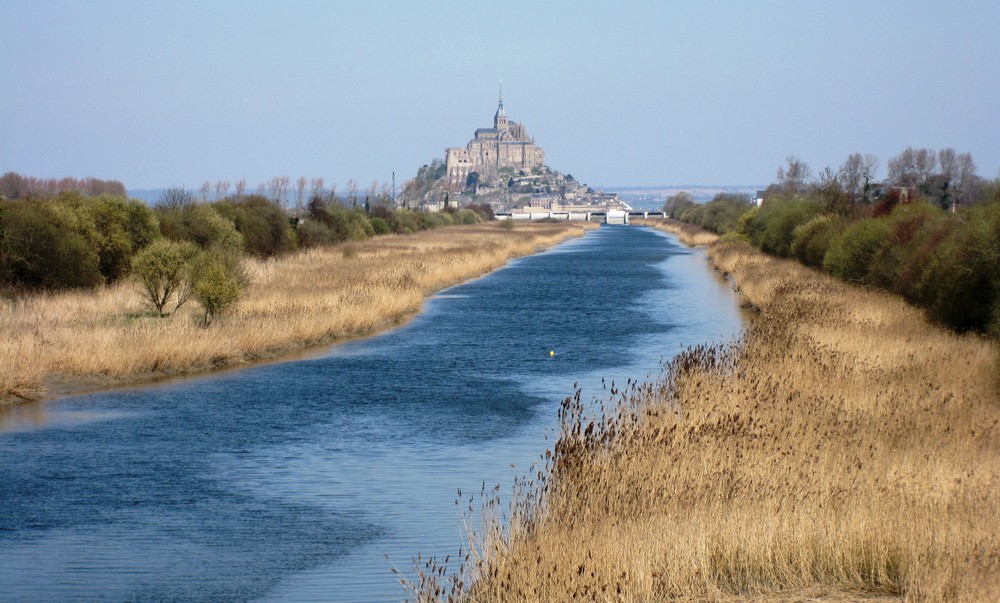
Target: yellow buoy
{"x": 552, "y": 353}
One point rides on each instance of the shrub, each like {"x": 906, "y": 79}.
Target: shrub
{"x": 218, "y": 283}
{"x": 485, "y": 211}
{"x": 120, "y": 227}
{"x": 406, "y": 221}
{"x": 203, "y": 225}
{"x": 811, "y": 241}
{"x": 904, "y": 254}
{"x": 262, "y": 223}
{"x": 770, "y": 226}
{"x": 386, "y": 215}
{"x": 380, "y": 226}
{"x": 961, "y": 285}
{"x": 851, "y": 252}
{"x": 464, "y": 216}
{"x": 311, "y": 233}
{"x": 47, "y": 246}
{"x": 163, "y": 271}
{"x": 434, "y": 219}
{"x": 722, "y": 214}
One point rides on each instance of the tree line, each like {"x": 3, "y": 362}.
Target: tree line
{"x": 930, "y": 232}
{"x": 16, "y": 186}
{"x": 182, "y": 248}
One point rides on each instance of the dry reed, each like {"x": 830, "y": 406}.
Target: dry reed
{"x": 844, "y": 449}
{"x": 310, "y": 298}
{"x": 689, "y": 234}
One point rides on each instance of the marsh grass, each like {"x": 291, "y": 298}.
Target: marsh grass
{"x": 314, "y": 297}
{"x": 842, "y": 450}
{"x": 689, "y": 234}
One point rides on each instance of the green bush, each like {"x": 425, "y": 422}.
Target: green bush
{"x": 47, "y": 246}
{"x": 218, "y": 282}
{"x": 311, "y": 233}
{"x": 771, "y": 226}
{"x": 722, "y": 214}
{"x": 203, "y": 225}
{"x": 907, "y": 248}
{"x": 465, "y": 216}
{"x": 430, "y": 219}
{"x": 961, "y": 285}
{"x": 262, "y": 223}
{"x": 344, "y": 224}
{"x": 120, "y": 228}
{"x": 407, "y": 221}
{"x": 164, "y": 273}
{"x": 811, "y": 241}
{"x": 851, "y": 253}
{"x": 380, "y": 226}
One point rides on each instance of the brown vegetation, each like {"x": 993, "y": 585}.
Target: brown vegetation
{"x": 304, "y": 299}
{"x": 689, "y": 234}
{"x": 844, "y": 449}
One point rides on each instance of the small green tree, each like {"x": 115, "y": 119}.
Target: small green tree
{"x": 163, "y": 270}
{"x": 218, "y": 283}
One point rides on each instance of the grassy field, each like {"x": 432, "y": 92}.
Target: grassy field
{"x": 843, "y": 450}
{"x": 304, "y": 299}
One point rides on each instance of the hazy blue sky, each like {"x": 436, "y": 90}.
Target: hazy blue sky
{"x": 175, "y": 93}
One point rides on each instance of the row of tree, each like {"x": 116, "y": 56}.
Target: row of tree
{"x": 944, "y": 177}
{"x": 945, "y": 260}
{"x": 182, "y": 248}
{"x": 285, "y": 191}
{"x": 16, "y": 186}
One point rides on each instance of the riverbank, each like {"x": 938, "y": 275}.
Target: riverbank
{"x": 844, "y": 450}
{"x": 316, "y": 297}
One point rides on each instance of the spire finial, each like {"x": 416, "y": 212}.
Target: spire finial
{"x": 501, "y": 93}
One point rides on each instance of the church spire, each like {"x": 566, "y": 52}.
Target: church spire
{"x": 500, "y": 119}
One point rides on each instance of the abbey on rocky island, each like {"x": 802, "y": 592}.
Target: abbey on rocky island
{"x": 506, "y": 144}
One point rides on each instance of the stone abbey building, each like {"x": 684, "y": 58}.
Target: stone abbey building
{"x": 506, "y": 144}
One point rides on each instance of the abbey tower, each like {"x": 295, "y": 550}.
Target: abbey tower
{"x": 506, "y": 144}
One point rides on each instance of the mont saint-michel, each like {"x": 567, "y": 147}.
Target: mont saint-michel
{"x": 505, "y": 145}
{"x": 504, "y": 167}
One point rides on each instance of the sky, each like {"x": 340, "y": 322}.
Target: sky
{"x": 176, "y": 93}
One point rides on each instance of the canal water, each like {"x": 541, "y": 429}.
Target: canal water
{"x": 311, "y": 479}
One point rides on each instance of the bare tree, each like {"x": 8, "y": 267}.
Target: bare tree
{"x": 850, "y": 175}
{"x": 869, "y": 167}
{"x": 300, "y": 192}
{"x": 948, "y": 160}
{"x": 385, "y": 192}
{"x": 352, "y": 192}
{"x": 206, "y": 188}
{"x": 221, "y": 189}
{"x": 793, "y": 177}
{"x": 241, "y": 188}
{"x": 279, "y": 188}
{"x": 331, "y": 193}
{"x": 262, "y": 189}
{"x": 176, "y": 197}
{"x": 966, "y": 180}
{"x": 317, "y": 188}
{"x": 912, "y": 167}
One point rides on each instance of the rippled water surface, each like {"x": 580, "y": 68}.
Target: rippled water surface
{"x": 294, "y": 481}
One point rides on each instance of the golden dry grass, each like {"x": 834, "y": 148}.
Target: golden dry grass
{"x": 690, "y": 235}
{"x": 843, "y": 450}
{"x": 309, "y": 298}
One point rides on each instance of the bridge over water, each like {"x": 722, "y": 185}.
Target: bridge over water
{"x": 614, "y": 216}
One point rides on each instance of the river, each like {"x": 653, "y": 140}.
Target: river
{"x": 309, "y": 479}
